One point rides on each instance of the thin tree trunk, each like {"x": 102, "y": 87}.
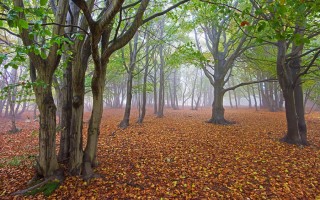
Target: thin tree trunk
{"x": 155, "y": 95}
{"x": 249, "y": 96}
{"x": 133, "y": 57}
{"x": 255, "y": 99}
{"x": 193, "y": 89}
{"x": 144, "y": 89}
{"x": 125, "y": 121}
{"x": 162, "y": 63}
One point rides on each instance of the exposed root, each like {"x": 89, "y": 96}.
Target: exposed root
{"x": 123, "y": 125}
{"x": 57, "y": 177}
{"x": 288, "y": 140}
{"x": 34, "y": 179}
{"x": 220, "y": 121}
{"x": 88, "y": 173}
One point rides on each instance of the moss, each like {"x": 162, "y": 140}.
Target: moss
{"x": 46, "y": 189}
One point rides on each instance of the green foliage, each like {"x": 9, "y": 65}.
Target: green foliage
{"x": 136, "y": 89}
{"x": 36, "y": 19}
{"x": 22, "y": 88}
{"x": 43, "y": 2}
{"x": 16, "y": 160}
{"x": 186, "y": 54}
{"x": 46, "y": 189}
{"x": 278, "y": 19}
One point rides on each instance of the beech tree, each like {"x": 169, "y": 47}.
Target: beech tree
{"x": 290, "y": 28}
{"x": 225, "y": 46}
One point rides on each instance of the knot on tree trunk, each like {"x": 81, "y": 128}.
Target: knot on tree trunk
{"x": 48, "y": 100}
{"x": 76, "y": 101}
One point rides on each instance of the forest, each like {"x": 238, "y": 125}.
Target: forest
{"x": 166, "y": 99}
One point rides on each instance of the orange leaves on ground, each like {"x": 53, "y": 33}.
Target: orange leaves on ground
{"x": 182, "y": 157}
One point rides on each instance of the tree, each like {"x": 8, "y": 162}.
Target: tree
{"x": 292, "y": 27}
{"x": 225, "y": 45}
{"x": 45, "y": 64}
{"x": 101, "y": 30}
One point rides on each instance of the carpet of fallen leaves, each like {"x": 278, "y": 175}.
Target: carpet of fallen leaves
{"x": 180, "y": 156}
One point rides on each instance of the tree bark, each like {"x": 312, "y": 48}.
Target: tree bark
{"x": 133, "y": 57}
{"x": 79, "y": 67}
{"x": 47, "y": 163}
{"x": 295, "y": 66}
{"x": 217, "y": 105}
{"x": 144, "y": 89}
{"x": 285, "y": 80}
{"x": 66, "y": 115}
{"x": 161, "y": 81}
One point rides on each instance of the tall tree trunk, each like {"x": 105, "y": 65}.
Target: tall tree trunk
{"x": 79, "y": 64}
{"x": 133, "y": 57}
{"x": 125, "y": 121}
{"x": 79, "y": 67}
{"x": 285, "y": 80}
{"x": 161, "y": 81}
{"x": 47, "y": 163}
{"x": 295, "y": 66}
{"x": 193, "y": 90}
{"x": 11, "y": 102}
{"x": 144, "y": 88}
{"x": 174, "y": 90}
{"x": 66, "y": 114}
{"x": 97, "y": 86}
{"x": 155, "y": 95}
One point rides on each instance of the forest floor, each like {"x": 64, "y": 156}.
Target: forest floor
{"x": 180, "y": 156}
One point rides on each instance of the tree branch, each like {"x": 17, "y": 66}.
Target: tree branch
{"x": 85, "y": 9}
{"x": 165, "y": 11}
{"x": 228, "y": 6}
{"x": 12, "y": 33}
{"x": 63, "y": 25}
{"x": 315, "y": 57}
{"x": 125, "y": 38}
{"x": 249, "y": 83}
{"x": 131, "y": 5}
{"x": 4, "y": 6}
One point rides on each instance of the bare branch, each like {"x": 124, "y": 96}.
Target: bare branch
{"x": 249, "y": 83}
{"x": 315, "y": 57}
{"x": 12, "y": 33}
{"x": 165, "y": 11}
{"x": 131, "y": 5}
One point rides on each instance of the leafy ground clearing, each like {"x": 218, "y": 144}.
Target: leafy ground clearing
{"x": 180, "y": 156}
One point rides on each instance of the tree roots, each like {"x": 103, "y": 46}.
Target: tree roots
{"x": 47, "y": 185}
{"x": 288, "y": 140}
